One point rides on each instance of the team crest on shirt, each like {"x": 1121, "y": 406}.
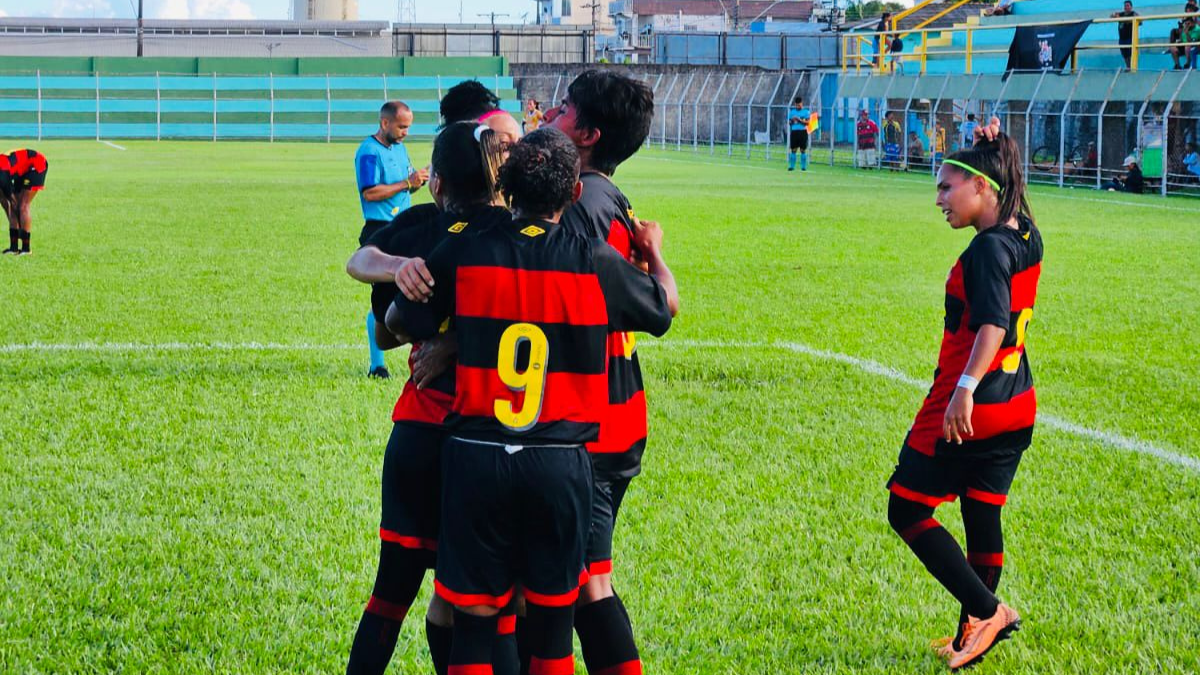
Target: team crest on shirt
{"x": 630, "y": 212}
{"x": 457, "y": 227}
{"x": 395, "y": 210}
{"x": 532, "y": 231}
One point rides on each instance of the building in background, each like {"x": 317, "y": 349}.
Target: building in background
{"x": 325, "y": 10}
{"x": 636, "y": 22}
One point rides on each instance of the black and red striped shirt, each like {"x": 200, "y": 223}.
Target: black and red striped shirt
{"x": 416, "y": 232}
{"x": 532, "y": 304}
{"x": 994, "y": 282}
{"x": 604, "y": 212}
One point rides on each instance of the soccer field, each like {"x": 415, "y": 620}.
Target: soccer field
{"x": 190, "y": 450}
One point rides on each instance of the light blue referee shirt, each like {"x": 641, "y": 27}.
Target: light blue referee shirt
{"x": 377, "y": 164}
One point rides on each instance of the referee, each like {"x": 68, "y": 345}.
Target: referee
{"x": 386, "y": 178}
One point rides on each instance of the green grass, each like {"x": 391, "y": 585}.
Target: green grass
{"x": 214, "y": 509}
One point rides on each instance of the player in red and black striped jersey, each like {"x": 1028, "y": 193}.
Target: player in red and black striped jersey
{"x": 977, "y": 420}
{"x": 466, "y": 201}
{"x": 607, "y": 115}
{"x": 532, "y": 304}
{"x": 22, "y": 176}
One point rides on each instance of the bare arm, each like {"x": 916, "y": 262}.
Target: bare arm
{"x": 957, "y": 423}
{"x": 378, "y": 193}
{"x": 371, "y": 265}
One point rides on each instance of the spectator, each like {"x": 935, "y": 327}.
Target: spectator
{"x": 533, "y": 116}
{"x": 939, "y": 142}
{"x": 916, "y": 149}
{"x": 1191, "y": 7}
{"x": 1131, "y": 181}
{"x": 868, "y": 133}
{"x": 893, "y": 136}
{"x": 1192, "y": 34}
{"x": 1002, "y": 8}
{"x": 880, "y": 29}
{"x": 1175, "y": 46}
{"x": 897, "y": 49}
{"x": 1092, "y": 161}
{"x": 1191, "y": 161}
{"x": 968, "y": 131}
{"x": 1125, "y": 31}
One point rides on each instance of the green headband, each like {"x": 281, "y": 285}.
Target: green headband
{"x": 970, "y": 169}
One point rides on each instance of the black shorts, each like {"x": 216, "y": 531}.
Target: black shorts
{"x": 798, "y": 140}
{"x": 412, "y": 488}
{"x": 607, "y": 496}
{"x": 944, "y": 477}
{"x": 513, "y": 517}
{"x": 369, "y": 229}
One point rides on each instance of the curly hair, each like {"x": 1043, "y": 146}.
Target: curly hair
{"x": 539, "y": 177}
{"x": 467, "y": 101}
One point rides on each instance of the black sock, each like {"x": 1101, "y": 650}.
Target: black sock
{"x": 505, "y": 658}
{"x": 397, "y": 581}
{"x": 14, "y": 236}
{"x": 438, "y": 638}
{"x": 24, "y": 241}
{"x": 985, "y": 543}
{"x": 471, "y": 650}
{"x": 941, "y": 555}
{"x": 552, "y": 639}
{"x": 524, "y": 644}
{"x": 606, "y": 637}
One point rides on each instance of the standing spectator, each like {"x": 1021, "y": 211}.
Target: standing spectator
{"x": 868, "y": 133}
{"x": 916, "y": 149}
{"x": 880, "y": 29}
{"x": 897, "y": 49}
{"x": 533, "y": 116}
{"x": 1002, "y": 8}
{"x": 1191, "y": 161}
{"x": 1130, "y": 181}
{"x": 893, "y": 136}
{"x": 1125, "y": 31}
{"x": 939, "y": 142}
{"x": 968, "y": 131}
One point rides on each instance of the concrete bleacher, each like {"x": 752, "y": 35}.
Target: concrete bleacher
{"x": 1097, "y": 49}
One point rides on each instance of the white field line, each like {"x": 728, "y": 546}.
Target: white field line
{"x": 113, "y": 145}
{"x": 879, "y": 176}
{"x": 865, "y": 365}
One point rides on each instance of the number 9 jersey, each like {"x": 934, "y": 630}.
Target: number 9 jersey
{"x": 994, "y": 282}
{"x": 533, "y": 304}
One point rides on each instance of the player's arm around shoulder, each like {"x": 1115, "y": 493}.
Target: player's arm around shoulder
{"x": 637, "y": 301}
{"x": 421, "y": 315}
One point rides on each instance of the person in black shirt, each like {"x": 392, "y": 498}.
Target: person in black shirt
{"x": 1125, "y": 31}
{"x": 463, "y": 183}
{"x": 1131, "y": 181}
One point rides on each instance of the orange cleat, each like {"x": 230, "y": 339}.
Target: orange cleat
{"x": 943, "y": 647}
{"x": 980, "y": 635}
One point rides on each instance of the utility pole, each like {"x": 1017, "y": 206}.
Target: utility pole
{"x": 493, "y": 16}
{"x": 140, "y": 29}
{"x": 594, "y": 5}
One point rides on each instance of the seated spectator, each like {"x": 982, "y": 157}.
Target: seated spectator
{"x": 1175, "y": 44}
{"x": 1002, "y": 8}
{"x": 1191, "y": 161}
{"x": 1092, "y": 160}
{"x": 1131, "y": 181}
{"x": 1192, "y": 35}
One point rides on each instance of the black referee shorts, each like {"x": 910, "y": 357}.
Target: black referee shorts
{"x": 607, "y": 496}
{"x": 513, "y": 514}
{"x": 798, "y": 140}
{"x": 369, "y": 229}
{"x": 412, "y": 488}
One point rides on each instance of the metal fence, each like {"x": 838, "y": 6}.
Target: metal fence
{"x": 1075, "y": 129}
{"x": 774, "y": 51}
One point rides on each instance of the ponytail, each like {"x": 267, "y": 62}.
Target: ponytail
{"x": 466, "y": 159}
{"x": 999, "y": 161}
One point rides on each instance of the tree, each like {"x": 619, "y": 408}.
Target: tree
{"x": 865, "y": 9}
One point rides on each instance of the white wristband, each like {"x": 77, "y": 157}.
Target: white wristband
{"x": 967, "y": 382}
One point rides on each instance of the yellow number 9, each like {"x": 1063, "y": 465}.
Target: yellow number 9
{"x": 532, "y": 381}
{"x": 1012, "y": 362}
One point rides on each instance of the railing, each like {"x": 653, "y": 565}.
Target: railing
{"x": 879, "y": 61}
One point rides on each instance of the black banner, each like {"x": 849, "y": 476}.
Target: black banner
{"x": 1044, "y": 47}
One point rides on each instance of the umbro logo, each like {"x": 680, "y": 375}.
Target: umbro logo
{"x": 532, "y": 231}
{"x": 457, "y": 227}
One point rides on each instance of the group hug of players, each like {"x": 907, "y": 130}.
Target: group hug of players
{"x": 523, "y": 422}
